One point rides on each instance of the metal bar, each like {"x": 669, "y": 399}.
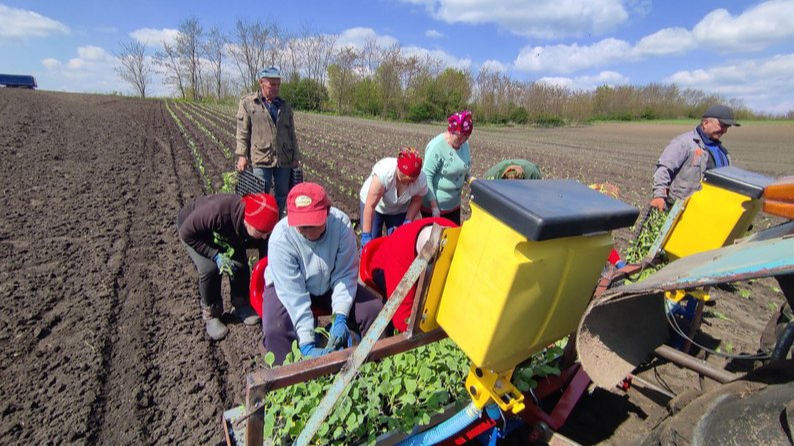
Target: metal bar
{"x": 255, "y": 425}
{"x": 420, "y": 297}
{"x": 350, "y": 370}
{"x": 573, "y": 392}
{"x": 695, "y": 364}
{"x": 694, "y": 325}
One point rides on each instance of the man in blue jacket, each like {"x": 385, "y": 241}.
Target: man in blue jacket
{"x": 680, "y": 168}
{"x": 313, "y": 261}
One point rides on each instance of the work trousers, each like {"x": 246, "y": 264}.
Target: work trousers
{"x": 279, "y": 331}
{"x": 209, "y": 279}
{"x": 278, "y": 177}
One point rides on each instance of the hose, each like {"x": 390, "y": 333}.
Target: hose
{"x": 784, "y": 342}
{"x": 448, "y": 428}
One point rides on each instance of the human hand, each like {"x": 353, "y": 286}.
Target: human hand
{"x": 311, "y": 351}
{"x": 366, "y": 237}
{"x": 242, "y": 163}
{"x": 224, "y": 263}
{"x": 339, "y": 333}
{"x": 659, "y": 203}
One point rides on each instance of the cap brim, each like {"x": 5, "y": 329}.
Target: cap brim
{"x": 729, "y": 122}
{"x": 313, "y": 218}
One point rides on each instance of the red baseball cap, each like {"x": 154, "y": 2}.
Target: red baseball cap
{"x": 307, "y": 205}
{"x": 261, "y": 211}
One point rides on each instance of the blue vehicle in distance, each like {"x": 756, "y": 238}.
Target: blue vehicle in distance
{"x": 18, "y": 81}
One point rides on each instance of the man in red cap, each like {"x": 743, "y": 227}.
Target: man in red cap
{"x": 392, "y": 195}
{"x": 216, "y": 230}
{"x": 312, "y": 262}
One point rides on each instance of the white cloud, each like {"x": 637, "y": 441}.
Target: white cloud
{"x": 448, "y": 59}
{"x": 547, "y": 19}
{"x": 155, "y": 37}
{"x": 666, "y": 41}
{"x": 761, "y": 84}
{"x": 358, "y": 37}
{"x": 571, "y": 58}
{"x": 433, "y": 34}
{"x": 91, "y": 52}
{"x": 610, "y": 78}
{"x": 756, "y": 28}
{"x": 20, "y": 23}
{"x": 494, "y": 65}
{"x": 50, "y": 63}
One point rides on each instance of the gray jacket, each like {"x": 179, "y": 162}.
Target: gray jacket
{"x": 266, "y": 143}
{"x": 680, "y": 168}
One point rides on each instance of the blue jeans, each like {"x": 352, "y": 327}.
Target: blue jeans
{"x": 278, "y": 176}
{"x": 378, "y": 220}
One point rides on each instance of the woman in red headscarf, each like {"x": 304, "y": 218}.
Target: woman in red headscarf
{"x": 448, "y": 167}
{"x": 392, "y": 195}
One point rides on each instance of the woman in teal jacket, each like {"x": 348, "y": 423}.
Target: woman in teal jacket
{"x": 447, "y": 166}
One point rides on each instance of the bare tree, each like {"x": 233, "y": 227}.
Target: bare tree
{"x": 277, "y": 51}
{"x": 342, "y": 77}
{"x": 190, "y": 48}
{"x": 318, "y": 52}
{"x": 249, "y": 43}
{"x": 215, "y": 51}
{"x": 173, "y": 67}
{"x": 134, "y": 68}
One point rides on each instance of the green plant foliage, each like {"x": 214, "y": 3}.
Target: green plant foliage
{"x": 304, "y": 94}
{"x": 396, "y": 393}
{"x": 639, "y": 247}
{"x": 540, "y": 365}
{"x": 227, "y": 252}
{"x": 229, "y": 182}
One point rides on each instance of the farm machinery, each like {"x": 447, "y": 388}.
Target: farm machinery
{"x": 520, "y": 274}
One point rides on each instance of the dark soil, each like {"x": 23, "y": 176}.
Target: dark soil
{"x": 100, "y": 331}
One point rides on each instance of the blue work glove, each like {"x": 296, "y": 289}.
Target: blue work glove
{"x": 390, "y": 230}
{"x": 407, "y": 221}
{"x": 311, "y": 351}
{"x": 224, "y": 263}
{"x": 339, "y": 333}
{"x": 366, "y": 237}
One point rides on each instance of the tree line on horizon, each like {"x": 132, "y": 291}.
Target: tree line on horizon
{"x": 382, "y": 81}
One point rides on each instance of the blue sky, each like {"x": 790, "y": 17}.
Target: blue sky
{"x": 739, "y": 49}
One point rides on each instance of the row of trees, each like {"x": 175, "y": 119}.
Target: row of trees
{"x": 375, "y": 80}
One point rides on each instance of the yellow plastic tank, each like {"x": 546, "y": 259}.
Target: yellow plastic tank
{"x": 719, "y": 213}
{"x": 525, "y": 266}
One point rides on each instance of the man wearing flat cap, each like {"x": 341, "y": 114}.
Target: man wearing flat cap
{"x": 266, "y": 138}
{"x": 681, "y": 166}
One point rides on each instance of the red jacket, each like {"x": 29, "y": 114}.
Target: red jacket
{"x": 392, "y": 260}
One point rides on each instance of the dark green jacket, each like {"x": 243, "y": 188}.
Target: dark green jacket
{"x": 531, "y": 171}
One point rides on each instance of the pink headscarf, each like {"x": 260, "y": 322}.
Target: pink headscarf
{"x": 460, "y": 123}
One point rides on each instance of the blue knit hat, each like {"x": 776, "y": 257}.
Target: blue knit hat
{"x": 271, "y": 72}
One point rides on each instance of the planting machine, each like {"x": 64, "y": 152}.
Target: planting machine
{"x": 520, "y": 274}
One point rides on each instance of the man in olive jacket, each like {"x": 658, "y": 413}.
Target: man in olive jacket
{"x": 266, "y": 135}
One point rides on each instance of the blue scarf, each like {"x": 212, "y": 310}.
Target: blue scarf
{"x": 715, "y": 149}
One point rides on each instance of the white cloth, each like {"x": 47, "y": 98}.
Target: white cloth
{"x": 390, "y": 204}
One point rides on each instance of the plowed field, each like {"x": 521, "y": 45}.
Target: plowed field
{"x": 100, "y": 331}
